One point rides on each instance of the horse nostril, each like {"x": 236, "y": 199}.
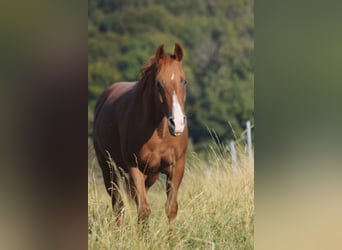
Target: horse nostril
{"x": 171, "y": 122}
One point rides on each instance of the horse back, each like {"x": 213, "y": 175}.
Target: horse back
{"x": 109, "y": 111}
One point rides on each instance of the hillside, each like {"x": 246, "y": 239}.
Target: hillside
{"x": 217, "y": 37}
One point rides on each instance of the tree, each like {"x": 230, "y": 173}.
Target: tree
{"x": 217, "y": 37}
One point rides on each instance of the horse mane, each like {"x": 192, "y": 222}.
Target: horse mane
{"x": 151, "y": 66}
{"x": 148, "y": 68}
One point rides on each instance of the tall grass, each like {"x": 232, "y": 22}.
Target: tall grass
{"x": 216, "y": 208}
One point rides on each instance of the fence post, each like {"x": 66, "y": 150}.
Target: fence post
{"x": 233, "y": 153}
{"x": 249, "y": 142}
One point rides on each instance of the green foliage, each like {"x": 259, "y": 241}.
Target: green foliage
{"x": 217, "y": 37}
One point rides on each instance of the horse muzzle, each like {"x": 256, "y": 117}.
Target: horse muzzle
{"x": 176, "y": 126}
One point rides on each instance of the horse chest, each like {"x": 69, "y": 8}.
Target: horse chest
{"x": 156, "y": 157}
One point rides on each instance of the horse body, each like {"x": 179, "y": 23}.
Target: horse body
{"x": 142, "y": 127}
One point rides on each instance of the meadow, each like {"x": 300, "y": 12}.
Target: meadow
{"x": 216, "y": 208}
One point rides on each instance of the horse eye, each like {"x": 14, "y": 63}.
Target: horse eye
{"x": 185, "y": 82}
{"x": 159, "y": 86}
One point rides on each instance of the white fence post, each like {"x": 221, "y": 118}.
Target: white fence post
{"x": 233, "y": 154}
{"x": 249, "y": 142}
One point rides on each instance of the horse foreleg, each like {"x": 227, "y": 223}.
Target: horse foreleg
{"x": 140, "y": 197}
{"x": 174, "y": 178}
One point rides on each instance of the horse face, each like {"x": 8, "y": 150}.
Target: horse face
{"x": 170, "y": 89}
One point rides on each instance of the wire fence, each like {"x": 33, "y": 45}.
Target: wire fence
{"x": 246, "y": 135}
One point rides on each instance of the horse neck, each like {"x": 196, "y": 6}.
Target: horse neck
{"x": 150, "y": 109}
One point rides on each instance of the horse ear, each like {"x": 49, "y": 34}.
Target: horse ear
{"x": 178, "y": 52}
{"x": 160, "y": 51}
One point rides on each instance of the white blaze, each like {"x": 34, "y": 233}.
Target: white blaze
{"x": 172, "y": 76}
{"x": 177, "y": 114}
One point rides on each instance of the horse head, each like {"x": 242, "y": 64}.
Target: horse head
{"x": 170, "y": 88}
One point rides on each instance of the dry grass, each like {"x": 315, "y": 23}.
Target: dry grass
{"x": 216, "y": 209}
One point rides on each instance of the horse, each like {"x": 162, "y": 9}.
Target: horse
{"x": 142, "y": 127}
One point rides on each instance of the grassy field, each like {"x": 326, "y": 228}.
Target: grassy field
{"x": 216, "y": 208}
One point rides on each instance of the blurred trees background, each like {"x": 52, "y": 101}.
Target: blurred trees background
{"x": 218, "y": 41}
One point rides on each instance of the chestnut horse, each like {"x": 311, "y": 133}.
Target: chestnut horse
{"x": 142, "y": 127}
